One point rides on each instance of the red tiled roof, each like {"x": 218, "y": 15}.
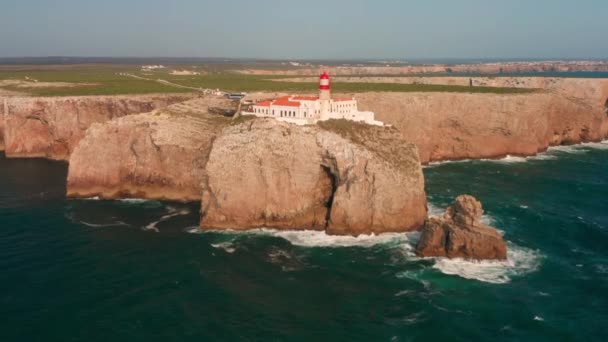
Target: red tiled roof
{"x": 305, "y": 98}
{"x": 264, "y": 103}
{"x": 284, "y": 101}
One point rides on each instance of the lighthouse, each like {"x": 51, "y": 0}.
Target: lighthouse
{"x": 308, "y": 110}
{"x": 325, "y": 93}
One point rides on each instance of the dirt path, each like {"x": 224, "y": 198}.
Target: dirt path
{"x": 171, "y": 84}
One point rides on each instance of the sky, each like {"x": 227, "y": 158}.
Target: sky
{"x": 306, "y": 29}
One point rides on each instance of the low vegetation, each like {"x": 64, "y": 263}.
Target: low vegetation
{"x": 385, "y": 141}
{"x": 112, "y": 80}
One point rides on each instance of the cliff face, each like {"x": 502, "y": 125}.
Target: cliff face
{"x": 153, "y": 155}
{"x": 480, "y": 68}
{"x": 3, "y": 105}
{"x": 451, "y": 126}
{"x": 257, "y": 173}
{"x": 266, "y": 173}
{"x": 52, "y": 127}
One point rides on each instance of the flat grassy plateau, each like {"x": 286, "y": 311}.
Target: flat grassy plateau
{"x": 113, "y": 80}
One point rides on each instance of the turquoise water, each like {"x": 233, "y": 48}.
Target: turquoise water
{"x": 135, "y": 270}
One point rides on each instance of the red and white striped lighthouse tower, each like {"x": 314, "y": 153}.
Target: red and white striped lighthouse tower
{"x": 325, "y": 92}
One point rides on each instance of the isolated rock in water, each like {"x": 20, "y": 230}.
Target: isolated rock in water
{"x": 459, "y": 234}
{"x": 265, "y": 173}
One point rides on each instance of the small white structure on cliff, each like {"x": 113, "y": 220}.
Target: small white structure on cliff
{"x": 307, "y": 110}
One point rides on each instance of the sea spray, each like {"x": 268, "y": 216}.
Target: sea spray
{"x": 520, "y": 261}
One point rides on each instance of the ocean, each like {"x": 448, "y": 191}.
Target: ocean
{"x": 134, "y": 270}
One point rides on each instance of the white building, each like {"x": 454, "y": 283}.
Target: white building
{"x": 307, "y": 110}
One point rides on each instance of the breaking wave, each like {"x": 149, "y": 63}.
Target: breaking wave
{"x": 228, "y": 246}
{"x": 173, "y": 212}
{"x": 550, "y": 154}
{"x": 313, "y": 238}
{"x": 435, "y": 211}
{"x": 309, "y": 238}
{"x": 520, "y": 261}
{"x": 103, "y": 225}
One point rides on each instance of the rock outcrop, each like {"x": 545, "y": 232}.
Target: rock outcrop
{"x": 265, "y": 173}
{"x": 453, "y": 126}
{"x": 3, "y": 106}
{"x": 153, "y": 156}
{"x": 52, "y": 127}
{"x": 459, "y": 234}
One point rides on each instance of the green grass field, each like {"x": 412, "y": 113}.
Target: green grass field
{"x": 108, "y": 81}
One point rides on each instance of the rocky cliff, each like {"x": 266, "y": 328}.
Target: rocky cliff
{"x": 344, "y": 178}
{"x": 158, "y": 155}
{"x": 452, "y": 126}
{"x": 476, "y": 68}
{"x": 3, "y": 105}
{"x": 459, "y": 234}
{"x": 266, "y": 173}
{"x": 52, "y": 127}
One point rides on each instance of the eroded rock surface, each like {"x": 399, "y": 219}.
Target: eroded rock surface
{"x": 153, "y": 156}
{"x": 265, "y": 173}
{"x": 459, "y": 234}
{"x": 52, "y": 127}
{"x": 453, "y": 126}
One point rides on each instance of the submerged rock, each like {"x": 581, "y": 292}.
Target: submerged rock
{"x": 459, "y": 234}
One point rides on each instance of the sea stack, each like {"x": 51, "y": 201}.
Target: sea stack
{"x": 459, "y": 234}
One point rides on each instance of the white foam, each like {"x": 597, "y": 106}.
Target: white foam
{"x": 313, "y": 238}
{"x": 602, "y": 145}
{"x": 437, "y": 212}
{"x": 403, "y": 293}
{"x": 226, "y": 246}
{"x": 547, "y": 155}
{"x": 310, "y": 238}
{"x": 173, "y": 212}
{"x": 572, "y": 149}
{"x": 520, "y": 261}
{"x": 508, "y": 159}
{"x": 102, "y": 225}
{"x": 136, "y": 200}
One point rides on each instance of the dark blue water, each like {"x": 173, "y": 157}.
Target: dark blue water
{"x": 134, "y": 271}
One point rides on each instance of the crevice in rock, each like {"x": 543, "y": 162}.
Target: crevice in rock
{"x": 606, "y": 107}
{"x": 334, "y": 187}
{"x": 205, "y": 186}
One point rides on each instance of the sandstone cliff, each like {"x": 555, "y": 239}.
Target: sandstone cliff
{"x": 3, "y": 105}
{"x": 265, "y": 173}
{"x": 52, "y": 127}
{"x": 460, "y": 235}
{"x": 478, "y": 68}
{"x": 452, "y": 126}
{"x": 158, "y": 155}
